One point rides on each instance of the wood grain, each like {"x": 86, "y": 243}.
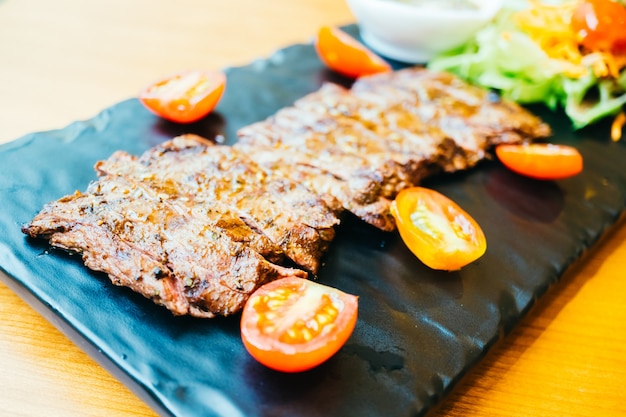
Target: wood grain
{"x": 567, "y": 357}
{"x": 66, "y": 60}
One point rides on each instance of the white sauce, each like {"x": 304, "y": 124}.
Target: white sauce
{"x": 441, "y": 4}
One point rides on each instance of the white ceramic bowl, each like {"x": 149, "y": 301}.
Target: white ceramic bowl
{"x": 415, "y": 34}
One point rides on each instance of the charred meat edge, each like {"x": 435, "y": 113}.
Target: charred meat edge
{"x": 288, "y": 214}
{"x": 157, "y": 249}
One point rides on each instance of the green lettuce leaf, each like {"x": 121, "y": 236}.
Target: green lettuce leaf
{"x": 502, "y": 57}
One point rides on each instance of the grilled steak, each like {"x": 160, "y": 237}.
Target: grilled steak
{"x": 356, "y": 168}
{"x": 160, "y": 246}
{"x": 359, "y": 195}
{"x": 197, "y": 227}
{"x": 474, "y": 118}
{"x": 388, "y": 132}
{"x": 290, "y": 215}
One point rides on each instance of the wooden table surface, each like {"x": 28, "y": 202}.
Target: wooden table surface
{"x": 66, "y": 60}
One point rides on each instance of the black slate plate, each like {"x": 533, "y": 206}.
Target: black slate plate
{"x": 419, "y": 330}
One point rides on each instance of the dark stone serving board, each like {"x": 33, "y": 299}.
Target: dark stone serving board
{"x": 418, "y": 331}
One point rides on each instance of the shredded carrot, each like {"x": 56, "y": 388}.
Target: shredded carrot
{"x": 549, "y": 25}
{"x": 617, "y": 126}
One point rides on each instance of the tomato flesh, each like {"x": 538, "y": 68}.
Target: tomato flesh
{"x": 293, "y": 324}
{"x": 344, "y": 54}
{"x": 541, "y": 161}
{"x": 601, "y": 25}
{"x": 437, "y": 230}
{"x": 184, "y": 97}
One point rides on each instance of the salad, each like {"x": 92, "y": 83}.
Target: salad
{"x": 569, "y": 54}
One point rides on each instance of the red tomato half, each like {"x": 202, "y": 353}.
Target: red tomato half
{"x": 542, "y": 161}
{"x": 601, "y": 25}
{"x": 293, "y": 324}
{"x": 344, "y": 54}
{"x": 185, "y": 97}
{"x": 441, "y": 234}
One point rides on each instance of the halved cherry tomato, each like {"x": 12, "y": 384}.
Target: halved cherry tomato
{"x": 439, "y": 232}
{"x": 185, "y": 97}
{"x": 542, "y": 161}
{"x": 344, "y": 54}
{"x": 293, "y": 324}
{"x": 601, "y": 25}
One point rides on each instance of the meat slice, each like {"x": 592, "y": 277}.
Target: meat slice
{"x": 395, "y": 131}
{"x": 338, "y": 145}
{"x": 293, "y": 218}
{"x": 474, "y": 118}
{"x": 320, "y": 142}
{"x": 362, "y": 198}
{"x": 340, "y": 157}
{"x": 388, "y": 132}
{"x": 400, "y": 130}
{"x": 160, "y": 247}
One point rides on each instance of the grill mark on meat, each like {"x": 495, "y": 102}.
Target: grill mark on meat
{"x": 354, "y": 198}
{"x": 206, "y": 217}
{"x": 353, "y": 164}
{"x": 337, "y": 146}
{"x": 468, "y": 114}
{"x": 221, "y": 176}
{"x": 147, "y": 193}
{"x": 423, "y": 144}
{"x": 388, "y": 132}
{"x": 405, "y": 137}
{"x": 200, "y": 272}
{"x": 196, "y": 227}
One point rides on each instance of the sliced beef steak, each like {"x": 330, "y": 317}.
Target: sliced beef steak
{"x": 474, "y": 118}
{"x": 362, "y": 146}
{"x": 223, "y": 178}
{"x": 359, "y": 195}
{"x": 339, "y": 157}
{"x": 160, "y": 247}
